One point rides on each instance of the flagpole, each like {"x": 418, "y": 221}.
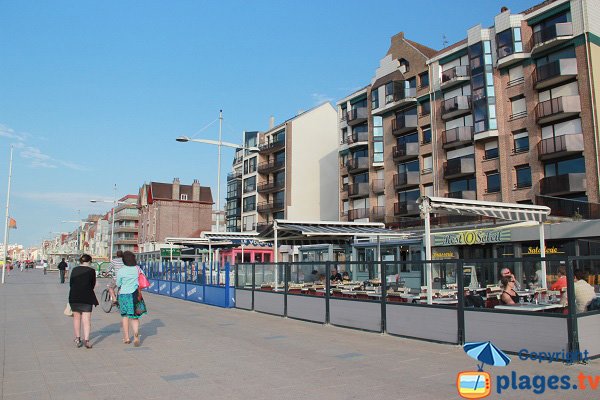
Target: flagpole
{"x": 6, "y": 221}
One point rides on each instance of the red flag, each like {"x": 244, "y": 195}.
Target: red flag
{"x": 12, "y": 224}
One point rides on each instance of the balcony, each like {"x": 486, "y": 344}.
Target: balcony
{"x": 569, "y": 208}
{"x": 454, "y": 76}
{"x": 508, "y": 56}
{"x": 358, "y": 164}
{"x": 456, "y": 137}
{"x": 234, "y": 175}
{"x": 261, "y": 226}
{"x": 358, "y": 139}
{"x": 406, "y": 179}
{"x": 404, "y": 123}
{"x": 403, "y": 94}
{"x": 563, "y": 184}
{"x": 234, "y": 191}
{"x": 126, "y": 241}
{"x": 403, "y": 208}
{"x": 378, "y": 186}
{"x": 249, "y": 188}
{"x": 456, "y": 106}
{"x": 551, "y": 36}
{"x": 555, "y": 72}
{"x": 125, "y": 228}
{"x": 270, "y": 166}
{"x": 358, "y": 190}
{"x": 269, "y": 187}
{"x": 405, "y": 151}
{"x": 557, "y": 108}
{"x": 560, "y": 146}
{"x": 268, "y": 148}
{"x": 377, "y": 213}
{"x": 125, "y": 217}
{"x": 358, "y": 213}
{"x": 463, "y": 194}
{"x": 233, "y": 213}
{"x": 357, "y": 116}
{"x": 458, "y": 167}
{"x": 269, "y": 207}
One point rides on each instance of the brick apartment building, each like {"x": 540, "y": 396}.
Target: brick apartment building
{"x": 172, "y": 210}
{"x": 125, "y": 235}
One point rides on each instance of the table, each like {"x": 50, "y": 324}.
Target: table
{"x": 442, "y": 301}
{"x": 529, "y": 306}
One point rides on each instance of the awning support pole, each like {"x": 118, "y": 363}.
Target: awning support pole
{"x": 379, "y": 270}
{"x": 276, "y": 255}
{"x": 425, "y": 209}
{"x": 543, "y": 255}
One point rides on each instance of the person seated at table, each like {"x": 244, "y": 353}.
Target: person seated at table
{"x": 509, "y": 295}
{"x": 561, "y": 282}
{"x": 320, "y": 278}
{"x": 335, "y": 275}
{"x": 345, "y": 276}
{"x": 507, "y": 272}
{"x": 584, "y": 292}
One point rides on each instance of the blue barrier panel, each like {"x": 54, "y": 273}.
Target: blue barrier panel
{"x": 178, "y": 290}
{"x": 215, "y": 295}
{"x": 153, "y": 288}
{"x": 194, "y": 292}
{"x": 164, "y": 288}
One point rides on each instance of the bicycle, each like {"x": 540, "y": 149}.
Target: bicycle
{"x": 106, "y": 301}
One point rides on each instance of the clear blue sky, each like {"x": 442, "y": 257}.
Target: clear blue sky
{"x": 93, "y": 93}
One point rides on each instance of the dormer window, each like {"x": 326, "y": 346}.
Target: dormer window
{"x": 404, "y": 65}
{"x": 183, "y": 197}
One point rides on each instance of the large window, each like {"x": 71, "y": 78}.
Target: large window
{"x": 491, "y": 150}
{"x": 462, "y": 185}
{"x": 509, "y": 42}
{"x": 426, "y": 135}
{"x": 412, "y": 166}
{"x": 409, "y": 196}
{"x": 249, "y": 203}
{"x": 521, "y": 141}
{"x": 427, "y": 164}
{"x": 410, "y": 138}
{"x": 375, "y": 98}
{"x": 571, "y": 166}
{"x": 493, "y": 182}
{"x": 250, "y": 165}
{"x": 377, "y": 139}
{"x": 518, "y": 107}
{"x": 424, "y": 80}
{"x": 523, "y": 173}
{"x": 250, "y": 184}
{"x": 425, "y": 108}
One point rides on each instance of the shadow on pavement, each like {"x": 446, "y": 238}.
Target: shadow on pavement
{"x": 150, "y": 328}
{"x": 105, "y": 332}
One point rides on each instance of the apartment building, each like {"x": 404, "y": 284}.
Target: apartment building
{"x": 282, "y": 174}
{"x": 172, "y": 210}
{"x": 125, "y": 234}
{"x": 508, "y": 114}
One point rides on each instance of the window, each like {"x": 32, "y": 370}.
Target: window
{"x": 523, "y": 173}
{"x": 424, "y": 80}
{"x": 425, "y": 108}
{"x": 183, "y": 197}
{"x": 426, "y": 135}
{"x": 427, "y": 164}
{"x": 412, "y": 166}
{"x": 249, "y": 223}
{"x": 518, "y": 107}
{"x": 375, "y": 98}
{"x": 520, "y": 141}
{"x": 250, "y": 165}
{"x": 377, "y": 126}
{"x": 515, "y": 75}
{"x": 491, "y": 150}
{"x": 250, "y": 184}
{"x": 249, "y": 203}
{"x": 389, "y": 92}
{"x": 573, "y": 165}
{"x": 493, "y": 182}
{"x": 509, "y": 42}
{"x": 410, "y": 138}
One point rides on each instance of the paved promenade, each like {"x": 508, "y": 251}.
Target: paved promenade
{"x": 193, "y": 351}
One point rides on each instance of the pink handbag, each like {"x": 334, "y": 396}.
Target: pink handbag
{"x": 142, "y": 280}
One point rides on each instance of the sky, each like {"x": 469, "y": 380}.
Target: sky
{"x": 94, "y": 93}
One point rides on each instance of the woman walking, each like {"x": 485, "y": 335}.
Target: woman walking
{"x": 131, "y": 302}
{"x": 82, "y": 298}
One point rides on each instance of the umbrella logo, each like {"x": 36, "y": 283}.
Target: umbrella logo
{"x": 477, "y": 384}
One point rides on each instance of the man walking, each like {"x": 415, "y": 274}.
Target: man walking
{"x": 62, "y": 266}
{"x": 115, "y": 265}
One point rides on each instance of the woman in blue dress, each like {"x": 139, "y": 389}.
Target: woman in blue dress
{"x": 131, "y": 302}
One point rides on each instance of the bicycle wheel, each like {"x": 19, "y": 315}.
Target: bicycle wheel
{"x": 106, "y": 301}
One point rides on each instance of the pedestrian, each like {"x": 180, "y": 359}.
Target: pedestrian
{"x": 116, "y": 264}
{"x": 131, "y": 303}
{"x": 45, "y": 266}
{"x": 62, "y": 266}
{"x": 82, "y": 298}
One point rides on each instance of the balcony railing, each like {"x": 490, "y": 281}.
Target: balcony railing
{"x": 457, "y": 136}
{"x": 456, "y": 74}
{"x": 404, "y": 94}
{"x": 557, "y": 108}
{"x": 456, "y": 106}
{"x": 377, "y": 213}
{"x": 459, "y": 167}
{"x": 233, "y": 213}
{"x": 358, "y": 189}
{"x": 569, "y": 208}
{"x": 406, "y": 208}
{"x": 357, "y": 115}
{"x": 272, "y": 186}
{"x": 357, "y": 164}
{"x": 270, "y": 166}
{"x": 562, "y": 29}
{"x": 378, "y": 185}
{"x": 563, "y": 184}
{"x": 463, "y": 194}
{"x": 267, "y": 207}
{"x": 405, "y": 151}
{"x": 270, "y": 147}
{"x": 234, "y": 175}
{"x": 560, "y": 146}
{"x": 404, "y": 123}
{"x": 405, "y": 179}
{"x": 358, "y": 137}
{"x": 358, "y": 213}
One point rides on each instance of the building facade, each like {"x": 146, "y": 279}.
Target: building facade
{"x": 126, "y": 224}
{"x": 287, "y": 176}
{"x": 172, "y": 210}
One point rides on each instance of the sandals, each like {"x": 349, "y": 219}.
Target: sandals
{"x": 126, "y": 341}
{"x": 78, "y": 342}
{"x": 136, "y": 340}
{"x": 87, "y": 344}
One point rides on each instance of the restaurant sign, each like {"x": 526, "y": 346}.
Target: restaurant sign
{"x": 170, "y": 252}
{"x": 537, "y": 251}
{"x": 475, "y": 236}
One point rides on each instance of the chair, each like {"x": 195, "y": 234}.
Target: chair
{"x": 492, "y": 301}
{"x": 474, "y": 301}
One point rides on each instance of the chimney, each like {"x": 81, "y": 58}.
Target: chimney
{"x": 196, "y": 190}
{"x": 175, "y": 189}
{"x": 272, "y": 122}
